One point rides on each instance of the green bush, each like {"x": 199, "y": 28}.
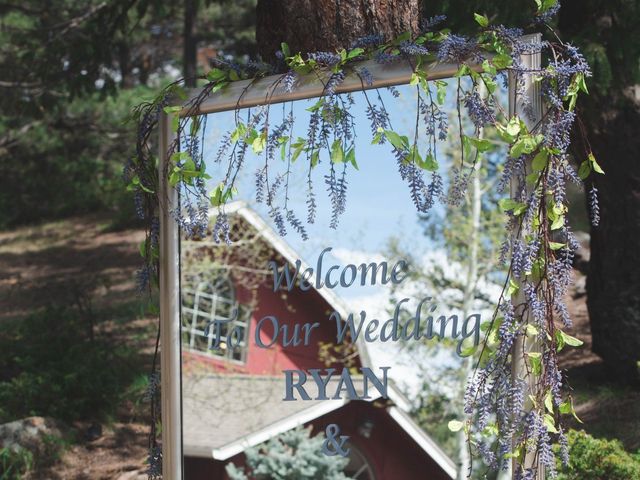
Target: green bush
{"x": 51, "y": 368}
{"x": 594, "y": 459}
{"x": 14, "y": 463}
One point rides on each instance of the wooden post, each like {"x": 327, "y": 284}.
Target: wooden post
{"x": 169, "y": 316}
{"x": 523, "y": 343}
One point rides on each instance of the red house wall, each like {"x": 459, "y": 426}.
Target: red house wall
{"x": 390, "y": 451}
{"x": 291, "y": 309}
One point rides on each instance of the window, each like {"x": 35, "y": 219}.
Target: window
{"x": 205, "y": 299}
{"x": 358, "y": 467}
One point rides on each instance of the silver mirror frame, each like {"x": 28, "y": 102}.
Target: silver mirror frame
{"x": 244, "y": 94}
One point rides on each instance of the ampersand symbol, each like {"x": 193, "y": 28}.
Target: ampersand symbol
{"x": 334, "y": 444}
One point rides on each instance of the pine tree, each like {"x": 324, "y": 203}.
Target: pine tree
{"x": 293, "y": 455}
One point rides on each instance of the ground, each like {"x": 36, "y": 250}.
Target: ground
{"x": 83, "y": 263}
{"x": 79, "y": 261}
{"x": 607, "y": 410}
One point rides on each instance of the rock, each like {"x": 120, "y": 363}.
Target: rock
{"x": 94, "y": 432}
{"x": 31, "y": 433}
{"x": 133, "y": 475}
{"x": 583, "y": 253}
{"x": 580, "y": 286}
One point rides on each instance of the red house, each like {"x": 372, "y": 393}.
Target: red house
{"x": 233, "y": 390}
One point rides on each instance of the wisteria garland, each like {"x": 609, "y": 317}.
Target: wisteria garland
{"x": 510, "y": 415}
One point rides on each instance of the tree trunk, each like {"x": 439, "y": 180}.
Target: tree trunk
{"x": 613, "y": 281}
{"x": 611, "y": 115}
{"x": 325, "y": 25}
{"x": 190, "y": 43}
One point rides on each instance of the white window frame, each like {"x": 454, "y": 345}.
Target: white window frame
{"x": 239, "y": 316}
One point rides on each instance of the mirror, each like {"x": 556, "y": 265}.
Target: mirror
{"x": 296, "y": 336}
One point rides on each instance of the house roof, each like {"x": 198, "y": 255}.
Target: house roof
{"x": 291, "y": 256}
{"x": 226, "y": 414}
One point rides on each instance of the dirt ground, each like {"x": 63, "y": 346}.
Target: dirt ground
{"x": 79, "y": 261}
{"x": 606, "y": 410}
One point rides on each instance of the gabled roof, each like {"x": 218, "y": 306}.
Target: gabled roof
{"x": 290, "y": 255}
{"x": 226, "y": 414}
{"x": 246, "y": 410}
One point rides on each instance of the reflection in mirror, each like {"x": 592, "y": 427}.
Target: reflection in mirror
{"x": 271, "y": 357}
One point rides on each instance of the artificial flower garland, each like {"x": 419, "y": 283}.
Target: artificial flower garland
{"x": 508, "y": 416}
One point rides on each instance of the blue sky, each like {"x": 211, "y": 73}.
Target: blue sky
{"x": 378, "y": 201}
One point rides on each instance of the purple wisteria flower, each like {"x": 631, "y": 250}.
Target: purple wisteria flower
{"x": 594, "y": 206}
{"x": 412, "y": 49}
{"x": 480, "y": 110}
{"x": 368, "y": 41}
{"x": 457, "y": 49}
{"x": 326, "y": 59}
{"x": 432, "y": 22}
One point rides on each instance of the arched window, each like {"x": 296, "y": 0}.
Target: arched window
{"x": 358, "y": 468}
{"x": 209, "y": 297}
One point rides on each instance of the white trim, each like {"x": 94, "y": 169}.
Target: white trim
{"x": 276, "y": 428}
{"x": 424, "y": 441}
{"x": 261, "y": 436}
{"x": 170, "y": 322}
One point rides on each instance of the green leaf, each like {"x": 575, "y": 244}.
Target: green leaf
{"x": 172, "y": 109}
{"x": 510, "y": 205}
{"x": 482, "y": 20}
{"x": 219, "y": 86}
{"x": 567, "y": 407}
{"x": 259, "y": 143}
{"x": 143, "y": 248}
{"x": 514, "y": 126}
{"x": 556, "y": 245}
{"x": 582, "y": 84}
{"x": 502, "y": 61}
{"x": 455, "y": 425}
{"x": 550, "y": 423}
{"x": 174, "y": 178}
{"x": 490, "y": 83}
{"x": 548, "y": 402}
{"x": 415, "y": 79}
{"x": 584, "y": 170}
{"x": 513, "y": 288}
{"x": 216, "y": 196}
{"x": 441, "y": 91}
{"x": 531, "y": 330}
{"x": 285, "y": 49}
{"x": 354, "y": 53}
{"x": 351, "y": 158}
{"x": 594, "y": 164}
{"x": 216, "y": 74}
{"x": 430, "y": 164}
{"x": 557, "y": 223}
{"x": 540, "y": 161}
{"x": 480, "y": 144}
{"x": 525, "y": 144}
{"x": 337, "y": 153}
{"x": 535, "y": 359}
{"x": 175, "y": 123}
{"x": 298, "y": 147}
{"x": 400, "y": 143}
{"x": 377, "y": 138}
{"x": 468, "y": 350}
{"x": 571, "y": 341}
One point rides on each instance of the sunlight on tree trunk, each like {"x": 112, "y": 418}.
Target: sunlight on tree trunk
{"x": 324, "y": 25}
